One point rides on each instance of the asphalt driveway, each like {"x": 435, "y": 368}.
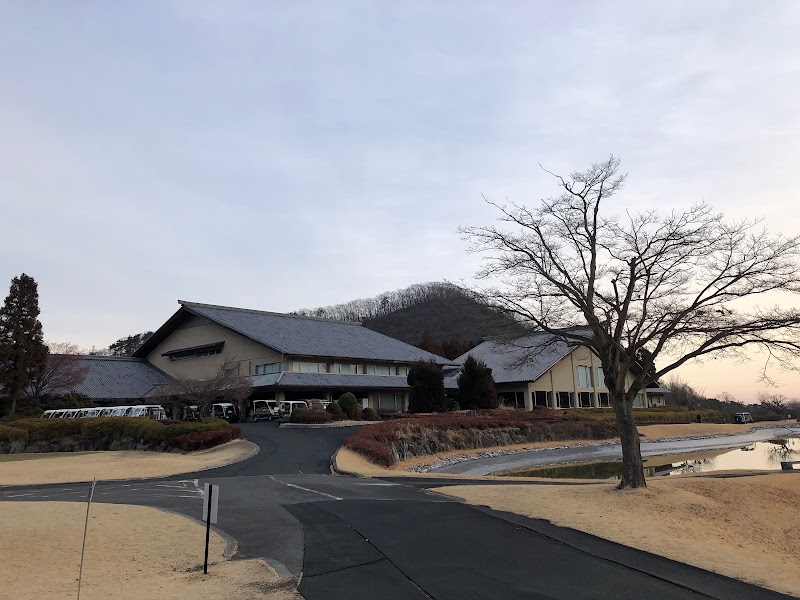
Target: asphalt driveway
{"x": 392, "y": 539}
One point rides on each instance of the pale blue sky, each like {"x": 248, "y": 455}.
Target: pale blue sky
{"x": 283, "y": 155}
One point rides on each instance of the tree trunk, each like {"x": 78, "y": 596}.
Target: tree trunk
{"x": 13, "y": 396}
{"x": 632, "y": 468}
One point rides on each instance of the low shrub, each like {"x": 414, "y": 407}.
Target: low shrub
{"x": 369, "y": 414}
{"x": 310, "y": 416}
{"x": 374, "y": 450}
{"x": 40, "y": 430}
{"x": 200, "y": 440}
{"x": 102, "y": 431}
{"x": 335, "y": 409}
{"x": 646, "y": 416}
{"x": 349, "y": 405}
{"x": 12, "y": 434}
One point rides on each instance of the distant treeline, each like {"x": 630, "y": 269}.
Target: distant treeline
{"x": 439, "y": 317}
{"x": 366, "y": 309}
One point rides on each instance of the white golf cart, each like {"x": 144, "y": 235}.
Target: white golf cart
{"x": 266, "y": 409}
{"x": 289, "y": 406}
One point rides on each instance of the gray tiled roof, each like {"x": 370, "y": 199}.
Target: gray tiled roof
{"x": 111, "y": 377}
{"x": 330, "y": 380}
{"x": 308, "y": 336}
{"x": 521, "y": 359}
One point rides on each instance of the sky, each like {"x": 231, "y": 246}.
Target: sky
{"x": 278, "y": 155}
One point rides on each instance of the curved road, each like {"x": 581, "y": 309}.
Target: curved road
{"x": 610, "y": 451}
{"x": 391, "y": 539}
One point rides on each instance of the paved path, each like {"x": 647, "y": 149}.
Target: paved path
{"x": 392, "y": 539}
{"x": 485, "y": 466}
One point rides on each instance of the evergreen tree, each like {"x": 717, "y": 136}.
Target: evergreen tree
{"x": 427, "y": 388}
{"x": 22, "y": 350}
{"x": 476, "y": 385}
{"x": 128, "y": 345}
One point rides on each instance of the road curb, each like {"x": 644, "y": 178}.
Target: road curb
{"x": 335, "y": 425}
{"x": 336, "y": 470}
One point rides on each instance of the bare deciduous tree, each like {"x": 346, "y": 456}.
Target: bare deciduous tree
{"x": 684, "y": 394}
{"x": 776, "y": 403}
{"x": 225, "y": 386}
{"x": 62, "y": 371}
{"x": 644, "y": 287}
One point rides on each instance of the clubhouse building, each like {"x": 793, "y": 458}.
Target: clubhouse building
{"x": 292, "y": 357}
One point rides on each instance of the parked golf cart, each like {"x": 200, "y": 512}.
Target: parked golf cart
{"x": 265, "y": 410}
{"x": 289, "y": 406}
{"x": 225, "y": 410}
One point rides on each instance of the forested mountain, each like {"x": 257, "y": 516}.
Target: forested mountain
{"x": 440, "y": 317}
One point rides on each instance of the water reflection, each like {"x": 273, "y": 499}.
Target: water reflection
{"x": 761, "y": 456}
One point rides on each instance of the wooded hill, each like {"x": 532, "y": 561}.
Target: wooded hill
{"x": 440, "y": 317}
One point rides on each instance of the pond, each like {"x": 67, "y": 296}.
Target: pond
{"x": 761, "y": 456}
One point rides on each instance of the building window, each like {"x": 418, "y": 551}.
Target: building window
{"x": 638, "y": 402}
{"x": 361, "y": 369}
{"x": 601, "y": 378}
{"x": 402, "y": 371}
{"x": 564, "y": 399}
{"x": 513, "y": 399}
{"x": 195, "y": 354}
{"x": 540, "y": 398}
{"x": 586, "y": 399}
{"x": 346, "y": 369}
{"x": 584, "y": 376}
{"x": 603, "y": 399}
{"x": 383, "y": 370}
{"x": 309, "y": 367}
{"x": 388, "y": 401}
{"x": 269, "y": 368}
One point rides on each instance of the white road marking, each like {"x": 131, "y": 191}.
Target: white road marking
{"x": 299, "y": 487}
{"x": 20, "y": 495}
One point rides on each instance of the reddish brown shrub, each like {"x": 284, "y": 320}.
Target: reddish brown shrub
{"x": 204, "y": 439}
{"x": 378, "y": 441}
{"x": 310, "y": 416}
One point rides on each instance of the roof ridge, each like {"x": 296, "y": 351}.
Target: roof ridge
{"x": 107, "y": 357}
{"x": 267, "y": 312}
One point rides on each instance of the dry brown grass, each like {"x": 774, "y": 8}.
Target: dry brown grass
{"x": 654, "y": 432}
{"x": 132, "y": 553}
{"x": 743, "y": 527}
{"x": 68, "y": 467}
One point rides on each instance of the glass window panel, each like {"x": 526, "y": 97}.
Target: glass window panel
{"x": 584, "y": 376}
{"x": 601, "y": 378}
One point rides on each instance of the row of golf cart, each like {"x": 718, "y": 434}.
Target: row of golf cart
{"x": 266, "y": 410}
{"x": 221, "y": 410}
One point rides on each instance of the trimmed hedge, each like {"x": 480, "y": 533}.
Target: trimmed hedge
{"x": 310, "y": 416}
{"x": 12, "y": 434}
{"x": 369, "y": 414}
{"x": 335, "y": 409}
{"x": 200, "y": 440}
{"x": 349, "y": 405}
{"x": 99, "y": 433}
{"x": 647, "y": 416}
